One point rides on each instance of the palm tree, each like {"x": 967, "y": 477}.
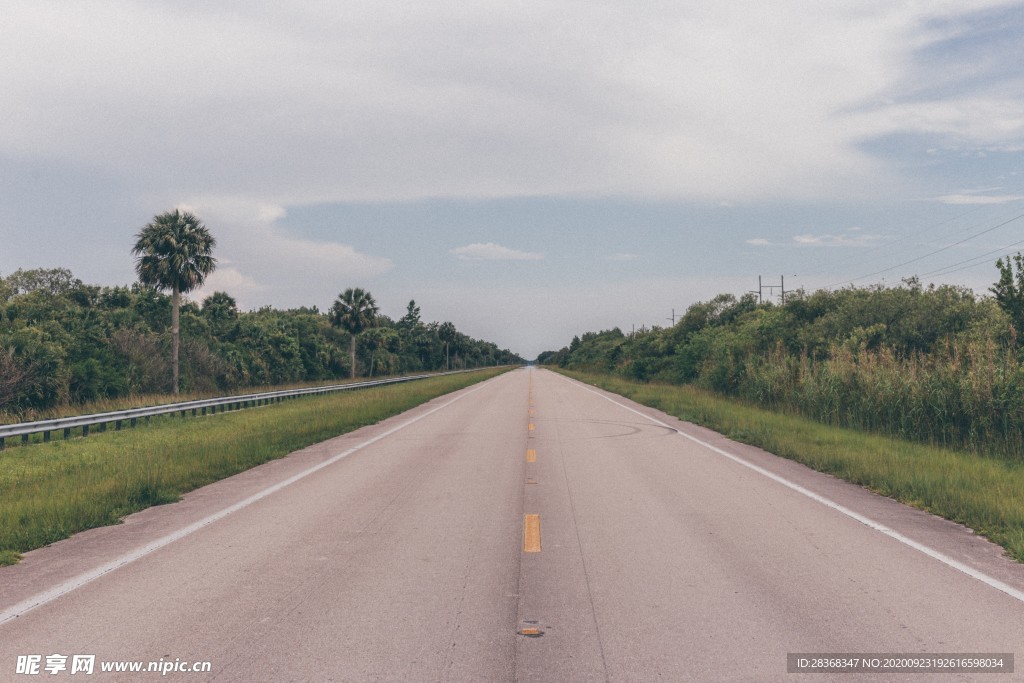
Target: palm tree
{"x": 173, "y": 252}
{"x": 354, "y": 310}
{"x": 382, "y": 339}
{"x": 447, "y": 334}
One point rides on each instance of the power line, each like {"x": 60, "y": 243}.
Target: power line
{"x": 931, "y": 253}
{"x": 986, "y": 257}
{"x": 928, "y": 228}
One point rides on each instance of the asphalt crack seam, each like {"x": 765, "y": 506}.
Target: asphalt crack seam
{"x": 583, "y": 557}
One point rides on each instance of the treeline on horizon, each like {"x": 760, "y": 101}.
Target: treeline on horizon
{"x": 66, "y": 342}
{"x": 939, "y": 365}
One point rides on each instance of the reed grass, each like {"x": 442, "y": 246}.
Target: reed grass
{"x": 52, "y": 490}
{"x": 983, "y": 493}
{"x": 966, "y": 396}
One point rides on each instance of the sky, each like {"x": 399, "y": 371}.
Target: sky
{"x": 529, "y": 171}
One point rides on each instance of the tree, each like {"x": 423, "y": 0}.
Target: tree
{"x": 382, "y": 340}
{"x": 446, "y": 332}
{"x": 411, "y": 319}
{"x": 354, "y": 310}
{"x": 221, "y": 309}
{"x": 174, "y": 252}
{"x": 52, "y": 281}
{"x": 1009, "y": 290}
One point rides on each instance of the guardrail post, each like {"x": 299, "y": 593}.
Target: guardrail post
{"x": 117, "y": 425}
{"x": 46, "y": 437}
{"x": 85, "y": 430}
{"x": 133, "y": 421}
{"x": 1, "y": 443}
{"x": 103, "y": 426}
{"x": 67, "y": 433}
{"x": 193, "y": 412}
{"x": 24, "y": 439}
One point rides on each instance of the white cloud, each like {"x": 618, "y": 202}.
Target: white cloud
{"x": 232, "y": 281}
{"x": 978, "y": 199}
{"x": 304, "y": 102}
{"x": 836, "y": 240}
{"x": 758, "y": 242}
{"x": 268, "y": 265}
{"x": 490, "y": 251}
{"x": 984, "y": 123}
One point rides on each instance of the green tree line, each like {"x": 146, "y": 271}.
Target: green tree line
{"x": 934, "y": 364}
{"x": 63, "y": 341}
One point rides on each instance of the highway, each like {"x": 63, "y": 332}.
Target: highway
{"x": 529, "y": 528}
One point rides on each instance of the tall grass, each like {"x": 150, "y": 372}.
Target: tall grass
{"x": 966, "y": 396}
{"x": 986, "y": 494}
{"x": 50, "y": 491}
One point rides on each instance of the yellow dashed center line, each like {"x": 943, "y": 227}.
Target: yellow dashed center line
{"x": 531, "y": 534}
{"x": 531, "y": 427}
{"x": 531, "y": 455}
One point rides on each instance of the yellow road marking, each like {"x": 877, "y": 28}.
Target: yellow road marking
{"x": 531, "y": 426}
{"x": 531, "y": 455}
{"x": 531, "y": 534}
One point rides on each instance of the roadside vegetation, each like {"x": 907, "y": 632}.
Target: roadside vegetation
{"x": 64, "y": 343}
{"x": 936, "y": 365}
{"x": 983, "y": 493}
{"x": 53, "y": 490}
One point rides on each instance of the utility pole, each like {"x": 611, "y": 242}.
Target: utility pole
{"x": 771, "y": 288}
{"x": 673, "y": 318}
{"x": 759, "y": 289}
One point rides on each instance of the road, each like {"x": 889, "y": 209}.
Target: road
{"x": 527, "y": 528}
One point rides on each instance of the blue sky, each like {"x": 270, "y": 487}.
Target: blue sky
{"x": 528, "y": 171}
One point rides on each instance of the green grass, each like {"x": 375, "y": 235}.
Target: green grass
{"x": 983, "y": 493}
{"x": 51, "y": 491}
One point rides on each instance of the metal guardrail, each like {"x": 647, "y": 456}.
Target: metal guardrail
{"x": 204, "y": 406}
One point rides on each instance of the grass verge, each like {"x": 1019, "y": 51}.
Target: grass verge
{"x": 50, "y": 491}
{"x": 985, "y": 494}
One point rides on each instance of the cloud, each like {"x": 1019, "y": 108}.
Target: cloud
{"x": 836, "y": 240}
{"x": 232, "y": 281}
{"x": 270, "y": 266}
{"x": 758, "y": 242}
{"x": 306, "y": 103}
{"x": 978, "y": 199}
{"x": 490, "y": 251}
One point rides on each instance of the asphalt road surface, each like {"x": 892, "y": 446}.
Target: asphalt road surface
{"x": 528, "y": 528}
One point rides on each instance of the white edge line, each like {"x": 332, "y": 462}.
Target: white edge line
{"x": 87, "y": 577}
{"x": 877, "y": 526}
